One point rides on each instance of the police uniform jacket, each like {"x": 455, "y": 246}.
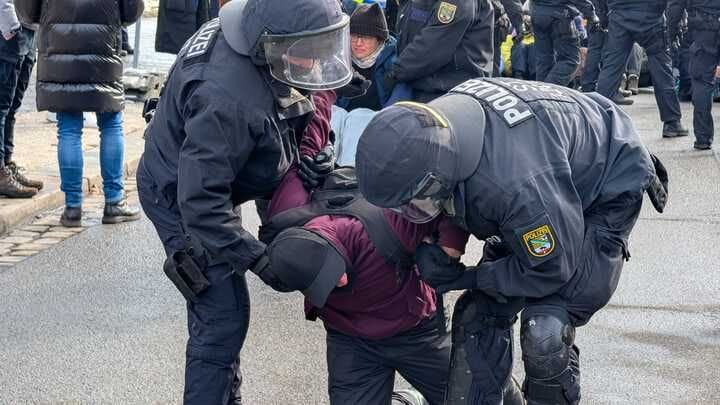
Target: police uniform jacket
{"x": 566, "y": 7}
{"x": 703, "y": 7}
{"x": 443, "y": 43}
{"x": 549, "y": 156}
{"x": 646, "y": 6}
{"x": 224, "y": 133}
{"x": 79, "y": 64}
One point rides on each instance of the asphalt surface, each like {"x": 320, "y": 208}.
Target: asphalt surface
{"x": 93, "y": 319}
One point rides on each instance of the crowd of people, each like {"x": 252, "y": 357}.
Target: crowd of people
{"x": 375, "y": 138}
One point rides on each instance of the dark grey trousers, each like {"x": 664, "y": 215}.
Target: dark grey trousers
{"x": 362, "y": 371}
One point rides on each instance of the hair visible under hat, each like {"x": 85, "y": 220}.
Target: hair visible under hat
{"x": 369, "y": 20}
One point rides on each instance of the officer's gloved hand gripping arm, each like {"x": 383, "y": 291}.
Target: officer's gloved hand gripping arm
{"x": 545, "y": 236}
{"x": 435, "y": 45}
{"x": 216, "y": 148}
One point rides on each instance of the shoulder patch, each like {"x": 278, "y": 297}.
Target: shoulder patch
{"x": 539, "y": 242}
{"x": 446, "y": 12}
{"x": 506, "y": 104}
{"x": 197, "y": 47}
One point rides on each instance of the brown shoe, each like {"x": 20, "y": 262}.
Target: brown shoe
{"x": 11, "y": 188}
{"x": 17, "y": 171}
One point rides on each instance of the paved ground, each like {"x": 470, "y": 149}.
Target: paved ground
{"x": 93, "y": 320}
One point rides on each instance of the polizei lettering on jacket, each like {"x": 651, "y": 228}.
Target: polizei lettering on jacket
{"x": 513, "y": 110}
{"x": 202, "y": 41}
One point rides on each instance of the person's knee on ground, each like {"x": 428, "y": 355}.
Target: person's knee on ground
{"x": 551, "y": 360}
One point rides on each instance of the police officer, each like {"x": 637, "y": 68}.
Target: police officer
{"x": 508, "y": 15}
{"x": 557, "y": 41}
{"x": 641, "y": 21}
{"x": 558, "y": 192}
{"x": 226, "y": 130}
{"x": 704, "y": 18}
{"x": 441, "y": 44}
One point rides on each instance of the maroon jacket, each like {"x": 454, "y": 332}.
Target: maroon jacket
{"x": 375, "y": 306}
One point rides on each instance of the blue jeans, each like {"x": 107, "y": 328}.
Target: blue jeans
{"x": 70, "y": 155}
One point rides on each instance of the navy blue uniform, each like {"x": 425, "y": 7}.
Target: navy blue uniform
{"x": 443, "y": 43}
{"x": 704, "y": 23}
{"x": 505, "y": 11}
{"x": 595, "y": 47}
{"x": 640, "y": 21}
{"x": 557, "y": 41}
{"x": 561, "y": 182}
{"x": 557, "y": 178}
{"x": 208, "y": 150}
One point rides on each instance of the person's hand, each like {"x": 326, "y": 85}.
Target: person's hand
{"x": 436, "y": 266}
{"x": 504, "y": 21}
{"x": 466, "y": 281}
{"x": 312, "y": 171}
{"x": 494, "y": 249}
{"x": 263, "y": 269}
{"x": 9, "y": 35}
{"x": 356, "y": 88}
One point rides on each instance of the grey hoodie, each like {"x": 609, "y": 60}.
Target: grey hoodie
{"x": 8, "y": 19}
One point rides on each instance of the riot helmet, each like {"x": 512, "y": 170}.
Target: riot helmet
{"x": 411, "y": 156}
{"x": 302, "y": 260}
{"x": 305, "y": 44}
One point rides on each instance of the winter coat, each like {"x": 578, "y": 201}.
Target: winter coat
{"x": 384, "y": 62}
{"x": 79, "y": 64}
{"x": 177, "y": 21}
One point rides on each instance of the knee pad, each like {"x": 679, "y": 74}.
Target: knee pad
{"x": 546, "y": 342}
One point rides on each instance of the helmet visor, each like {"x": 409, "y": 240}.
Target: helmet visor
{"x": 420, "y": 210}
{"x": 311, "y": 60}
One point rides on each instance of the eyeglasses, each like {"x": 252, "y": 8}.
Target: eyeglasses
{"x": 361, "y": 38}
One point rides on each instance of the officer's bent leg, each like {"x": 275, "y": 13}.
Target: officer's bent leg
{"x": 217, "y": 326}
{"x": 544, "y": 53}
{"x": 356, "y": 375}
{"x": 590, "y": 74}
{"x": 660, "y": 66}
{"x": 217, "y": 323}
{"x": 702, "y": 71}
{"x": 548, "y": 324}
{"x": 481, "y": 358}
{"x": 552, "y": 365}
{"x": 617, "y": 48}
{"x": 422, "y": 356}
{"x": 567, "y": 49}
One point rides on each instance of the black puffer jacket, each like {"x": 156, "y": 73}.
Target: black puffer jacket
{"x": 79, "y": 66}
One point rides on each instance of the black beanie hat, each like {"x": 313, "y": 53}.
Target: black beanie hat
{"x": 369, "y": 21}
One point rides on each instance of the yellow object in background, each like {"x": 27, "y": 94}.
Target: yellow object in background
{"x": 506, "y": 49}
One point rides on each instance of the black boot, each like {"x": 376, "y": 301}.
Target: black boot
{"x": 702, "y": 145}
{"x": 11, "y": 188}
{"x": 119, "y": 212}
{"x": 17, "y": 171}
{"x": 674, "y": 129}
{"x": 71, "y": 217}
{"x": 622, "y": 100}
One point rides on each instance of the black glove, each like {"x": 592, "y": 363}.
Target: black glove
{"x": 494, "y": 249}
{"x": 263, "y": 269}
{"x": 149, "y": 107}
{"x": 313, "y": 170}
{"x": 594, "y": 23}
{"x": 357, "y": 87}
{"x": 435, "y": 266}
{"x": 658, "y": 188}
{"x": 389, "y": 80}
